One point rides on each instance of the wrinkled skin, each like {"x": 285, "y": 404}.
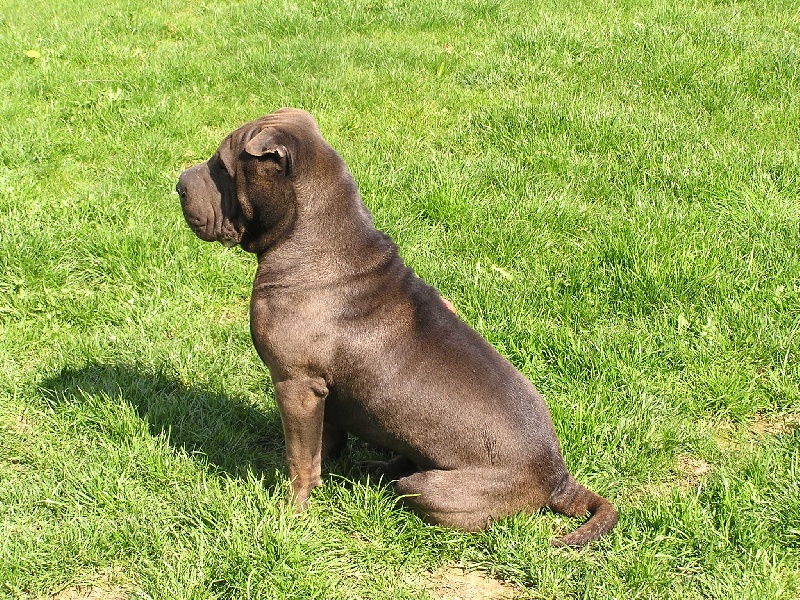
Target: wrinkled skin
{"x": 356, "y": 343}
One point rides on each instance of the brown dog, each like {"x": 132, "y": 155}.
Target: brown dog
{"x": 356, "y": 342}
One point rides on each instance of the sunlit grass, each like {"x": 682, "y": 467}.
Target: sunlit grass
{"x": 607, "y": 192}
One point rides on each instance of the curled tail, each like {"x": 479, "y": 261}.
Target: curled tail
{"x": 574, "y": 500}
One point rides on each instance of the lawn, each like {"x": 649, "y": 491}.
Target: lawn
{"x": 609, "y": 192}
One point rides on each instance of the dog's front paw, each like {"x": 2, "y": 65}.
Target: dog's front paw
{"x": 297, "y": 496}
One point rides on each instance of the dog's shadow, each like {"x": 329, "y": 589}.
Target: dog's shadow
{"x": 230, "y": 433}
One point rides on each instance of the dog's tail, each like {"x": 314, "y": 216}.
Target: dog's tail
{"x": 572, "y": 499}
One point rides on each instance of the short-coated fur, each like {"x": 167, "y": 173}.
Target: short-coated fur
{"x": 357, "y": 343}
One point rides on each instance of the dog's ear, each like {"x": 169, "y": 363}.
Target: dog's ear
{"x": 265, "y": 144}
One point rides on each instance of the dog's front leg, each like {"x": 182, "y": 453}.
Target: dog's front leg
{"x": 301, "y": 401}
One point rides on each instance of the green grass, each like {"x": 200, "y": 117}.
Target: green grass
{"x": 608, "y": 192}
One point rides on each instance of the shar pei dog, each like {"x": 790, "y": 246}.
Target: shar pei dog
{"x": 356, "y": 343}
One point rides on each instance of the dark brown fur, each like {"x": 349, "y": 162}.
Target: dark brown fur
{"x": 356, "y": 342}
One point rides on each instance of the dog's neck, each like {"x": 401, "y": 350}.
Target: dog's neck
{"x": 332, "y": 236}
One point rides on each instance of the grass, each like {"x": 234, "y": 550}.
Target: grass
{"x": 608, "y": 192}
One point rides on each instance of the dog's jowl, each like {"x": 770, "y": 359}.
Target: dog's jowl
{"x": 357, "y": 343}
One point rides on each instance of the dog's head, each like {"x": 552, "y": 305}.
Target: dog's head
{"x": 246, "y": 193}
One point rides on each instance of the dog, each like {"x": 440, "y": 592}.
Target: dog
{"x": 357, "y": 343}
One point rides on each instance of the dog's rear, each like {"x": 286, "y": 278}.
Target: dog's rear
{"x": 478, "y": 438}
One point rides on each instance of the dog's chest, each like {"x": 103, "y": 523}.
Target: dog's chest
{"x": 291, "y": 332}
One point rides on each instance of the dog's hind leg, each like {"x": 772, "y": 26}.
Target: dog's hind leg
{"x": 397, "y": 467}
{"x": 466, "y": 498}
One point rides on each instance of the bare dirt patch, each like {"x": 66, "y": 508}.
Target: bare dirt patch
{"x": 692, "y": 469}
{"x": 689, "y": 473}
{"x": 779, "y": 425}
{"x": 91, "y": 593}
{"x": 454, "y": 583}
{"x": 21, "y": 425}
{"x": 101, "y": 589}
{"x": 730, "y": 436}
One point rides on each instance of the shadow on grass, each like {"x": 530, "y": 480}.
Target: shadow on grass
{"x": 231, "y": 434}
